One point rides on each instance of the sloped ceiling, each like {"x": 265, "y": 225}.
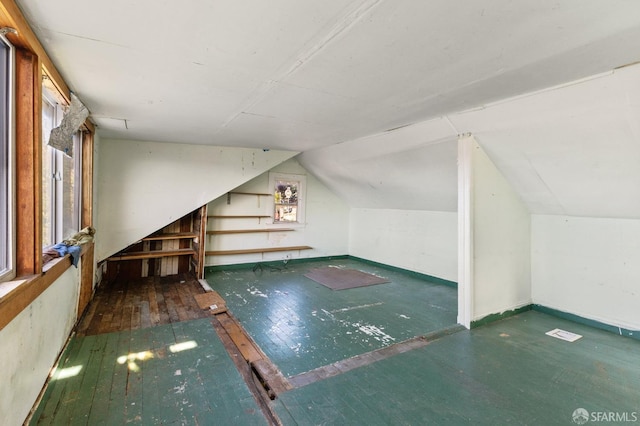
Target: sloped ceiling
{"x": 569, "y": 150}
{"x": 332, "y": 79}
{"x": 293, "y": 75}
{"x": 411, "y": 168}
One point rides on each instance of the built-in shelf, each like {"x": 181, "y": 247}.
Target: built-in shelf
{"x": 248, "y": 231}
{"x": 249, "y": 193}
{"x": 170, "y": 236}
{"x": 256, "y": 250}
{"x": 259, "y": 194}
{"x": 238, "y": 216}
{"x": 135, "y": 255}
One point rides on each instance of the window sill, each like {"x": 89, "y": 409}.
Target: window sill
{"x": 8, "y": 286}
{"x": 17, "y": 294}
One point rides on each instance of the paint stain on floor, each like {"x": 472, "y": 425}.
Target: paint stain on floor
{"x": 302, "y": 325}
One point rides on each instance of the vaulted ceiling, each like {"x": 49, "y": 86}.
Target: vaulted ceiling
{"x": 307, "y": 76}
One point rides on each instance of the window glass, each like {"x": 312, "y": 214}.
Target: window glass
{"x": 286, "y": 201}
{"x": 6, "y": 160}
{"x": 48, "y": 160}
{"x": 288, "y": 197}
{"x": 60, "y": 180}
{"x": 70, "y": 207}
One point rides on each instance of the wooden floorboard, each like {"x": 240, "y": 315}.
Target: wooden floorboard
{"x": 138, "y": 304}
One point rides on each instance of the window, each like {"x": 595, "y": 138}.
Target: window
{"x": 60, "y": 179}
{"x": 288, "y": 198}
{"x": 6, "y": 161}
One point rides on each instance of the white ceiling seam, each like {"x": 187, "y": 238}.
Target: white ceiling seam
{"x": 343, "y": 23}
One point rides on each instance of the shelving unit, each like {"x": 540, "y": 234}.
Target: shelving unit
{"x": 171, "y": 236}
{"x": 248, "y": 231}
{"x": 258, "y": 194}
{"x": 256, "y": 250}
{"x": 252, "y": 230}
{"x": 152, "y": 254}
{"x": 176, "y": 248}
{"x": 247, "y": 216}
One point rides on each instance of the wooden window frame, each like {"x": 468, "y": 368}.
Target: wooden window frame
{"x": 7, "y": 193}
{"x": 31, "y": 64}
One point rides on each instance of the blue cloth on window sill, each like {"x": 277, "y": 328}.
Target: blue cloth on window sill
{"x": 64, "y": 249}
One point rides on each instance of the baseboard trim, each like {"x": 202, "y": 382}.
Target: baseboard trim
{"x": 634, "y": 334}
{"x": 502, "y": 315}
{"x": 419, "y": 275}
{"x": 270, "y": 263}
{"x": 279, "y": 263}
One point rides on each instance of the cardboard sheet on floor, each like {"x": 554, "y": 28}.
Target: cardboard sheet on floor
{"x": 212, "y": 301}
{"x": 342, "y": 279}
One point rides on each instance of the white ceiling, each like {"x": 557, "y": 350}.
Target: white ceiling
{"x": 332, "y": 79}
{"x": 297, "y": 75}
{"x": 571, "y": 150}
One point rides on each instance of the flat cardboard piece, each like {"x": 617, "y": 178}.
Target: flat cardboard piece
{"x": 212, "y": 301}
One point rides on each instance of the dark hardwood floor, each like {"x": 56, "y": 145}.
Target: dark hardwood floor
{"x": 146, "y": 302}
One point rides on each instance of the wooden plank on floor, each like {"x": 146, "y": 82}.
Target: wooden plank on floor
{"x": 99, "y": 407}
{"x": 162, "y": 304}
{"x": 71, "y": 381}
{"x": 271, "y": 376}
{"x": 44, "y": 414}
{"x": 154, "y": 312}
{"x": 90, "y": 380}
{"x": 240, "y": 338}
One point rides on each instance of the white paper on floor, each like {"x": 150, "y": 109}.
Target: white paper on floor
{"x": 563, "y": 335}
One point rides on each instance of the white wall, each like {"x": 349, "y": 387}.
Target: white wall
{"x": 143, "y": 186}
{"x": 411, "y": 168}
{"x": 588, "y": 267}
{"x": 499, "y": 234}
{"x": 326, "y": 226}
{"x": 402, "y": 187}
{"x": 31, "y": 344}
{"x": 420, "y": 241}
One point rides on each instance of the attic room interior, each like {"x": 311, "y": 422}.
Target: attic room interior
{"x": 345, "y": 212}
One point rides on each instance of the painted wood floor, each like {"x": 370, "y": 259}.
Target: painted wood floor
{"x": 506, "y": 372}
{"x": 302, "y": 325}
{"x": 175, "y": 374}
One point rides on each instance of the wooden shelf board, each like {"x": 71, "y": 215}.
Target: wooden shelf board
{"x": 256, "y": 250}
{"x": 250, "y": 193}
{"x": 170, "y": 236}
{"x": 237, "y": 216}
{"x": 248, "y": 231}
{"x": 134, "y": 255}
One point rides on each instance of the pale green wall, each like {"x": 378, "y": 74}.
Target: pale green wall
{"x": 588, "y": 267}
{"x": 144, "y": 186}
{"x": 31, "y": 344}
{"x": 326, "y": 226}
{"x": 420, "y": 241}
